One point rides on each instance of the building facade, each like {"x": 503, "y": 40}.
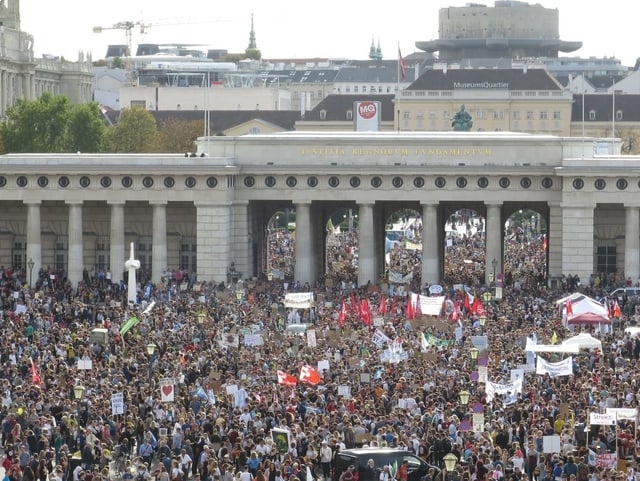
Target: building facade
{"x": 24, "y": 77}
{"x": 202, "y": 213}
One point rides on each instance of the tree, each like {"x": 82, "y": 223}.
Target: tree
{"x": 178, "y": 135}
{"x": 87, "y": 129}
{"x": 135, "y": 132}
{"x": 51, "y": 124}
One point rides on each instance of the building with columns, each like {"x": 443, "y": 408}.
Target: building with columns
{"x": 201, "y": 213}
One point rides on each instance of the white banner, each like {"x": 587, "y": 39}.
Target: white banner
{"x": 117, "y": 404}
{"x": 602, "y": 419}
{"x": 629, "y": 414}
{"x": 167, "y": 391}
{"x": 562, "y": 368}
{"x": 253, "y": 340}
{"x": 429, "y": 306}
{"x": 478, "y": 423}
{"x": 379, "y": 338}
{"x": 509, "y": 391}
{"x": 298, "y": 300}
{"x": 311, "y": 338}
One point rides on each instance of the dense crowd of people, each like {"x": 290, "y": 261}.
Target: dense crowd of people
{"x": 392, "y": 378}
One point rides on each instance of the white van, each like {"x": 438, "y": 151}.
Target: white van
{"x": 628, "y": 291}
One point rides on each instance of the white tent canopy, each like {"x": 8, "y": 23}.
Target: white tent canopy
{"x": 585, "y": 310}
{"x": 584, "y": 340}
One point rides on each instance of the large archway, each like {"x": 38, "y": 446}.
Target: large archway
{"x": 525, "y": 249}
{"x": 465, "y": 248}
{"x": 280, "y": 259}
{"x": 341, "y": 247}
{"x": 403, "y": 247}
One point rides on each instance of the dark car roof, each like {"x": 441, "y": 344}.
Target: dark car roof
{"x": 374, "y": 451}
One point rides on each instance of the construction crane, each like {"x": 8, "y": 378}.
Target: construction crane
{"x": 127, "y": 27}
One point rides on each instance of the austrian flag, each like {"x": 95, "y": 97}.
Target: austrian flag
{"x": 286, "y": 379}
{"x": 309, "y": 375}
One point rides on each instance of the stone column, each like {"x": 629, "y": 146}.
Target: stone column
{"x": 117, "y": 248}
{"x": 213, "y": 242}
{"x": 303, "y": 271}
{"x": 159, "y": 241}
{"x": 430, "y": 254}
{"x": 632, "y": 243}
{"x": 34, "y": 242}
{"x": 493, "y": 240}
{"x": 366, "y": 250}
{"x": 76, "y": 251}
{"x": 240, "y": 241}
{"x": 577, "y": 240}
{"x": 554, "y": 244}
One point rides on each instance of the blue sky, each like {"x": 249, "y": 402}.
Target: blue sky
{"x": 287, "y": 28}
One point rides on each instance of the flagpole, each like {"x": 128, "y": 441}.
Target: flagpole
{"x": 398, "y": 87}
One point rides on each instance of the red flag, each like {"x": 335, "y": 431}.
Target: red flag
{"x": 257, "y": 396}
{"x": 409, "y": 311}
{"x": 616, "y": 309}
{"x": 383, "y": 306}
{"x": 475, "y": 306}
{"x": 418, "y": 309}
{"x": 569, "y": 308}
{"x": 286, "y": 379}
{"x": 402, "y": 66}
{"x": 343, "y": 314}
{"x": 393, "y": 306}
{"x": 354, "y": 304}
{"x": 480, "y": 310}
{"x": 35, "y": 375}
{"x": 365, "y": 312}
{"x": 466, "y": 303}
{"x": 309, "y": 375}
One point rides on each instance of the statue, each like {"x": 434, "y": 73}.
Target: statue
{"x": 462, "y": 121}
{"x": 131, "y": 265}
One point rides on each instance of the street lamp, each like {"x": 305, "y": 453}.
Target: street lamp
{"x": 201, "y": 318}
{"x": 30, "y": 265}
{"x": 494, "y": 263}
{"x": 78, "y": 394}
{"x": 450, "y": 462}
{"x": 483, "y": 320}
{"x": 151, "y": 349}
{"x": 473, "y": 352}
{"x": 464, "y": 397}
{"x": 269, "y": 276}
{"x": 487, "y": 296}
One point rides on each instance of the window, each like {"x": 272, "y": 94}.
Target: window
{"x": 388, "y": 89}
{"x": 618, "y": 114}
{"x": 254, "y": 130}
{"x": 499, "y": 115}
{"x": 516, "y": 115}
{"x": 355, "y": 89}
{"x": 543, "y": 115}
{"x": 529, "y": 115}
{"x": 60, "y": 252}
{"x": 592, "y": 114}
{"x": 556, "y": 115}
{"x": 606, "y": 259}
{"x": 347, "y": 90}
{"x": 406, "y": 114}
{"x": 319, "y": 93}
{"x": 446, "y": 115}
{"x": 481, "y": 114}
{"x": 349, "y": 114}
{"x": 138, "y": 104}
{"x": 188, "y": 254}
{"x": 420, "y": 115}
{"x": 433, "y": 115}
{"x": 364, "y": 89}
{"x": 323, "y": 114}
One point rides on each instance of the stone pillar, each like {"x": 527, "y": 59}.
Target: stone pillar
{"x": 493, "y": 240}
{"x": 632, "y": 243}
{"x": 303, "y": 271}
{"x": 430, "y": 254}
{"x": 117, "y": 248}
{"x": 34, "y": 242}
{"x": 76, "y": 251}
{"x": 577, "y": 240}
{"x": 159, "y": 241}
{"x": 366, "y": 246}
{"x": 240, "y": 240}
{"x": 213, "y": 242}
{"x": 554, "y": 244}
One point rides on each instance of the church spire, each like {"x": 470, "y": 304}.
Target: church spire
{"x": 252, "y": 50}
{"x": 252, "y": 36}
{"x": 378, "y": 51}
{"x": 372, "y": 50}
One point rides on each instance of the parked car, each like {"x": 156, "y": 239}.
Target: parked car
{"x": 381, "y": 456}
